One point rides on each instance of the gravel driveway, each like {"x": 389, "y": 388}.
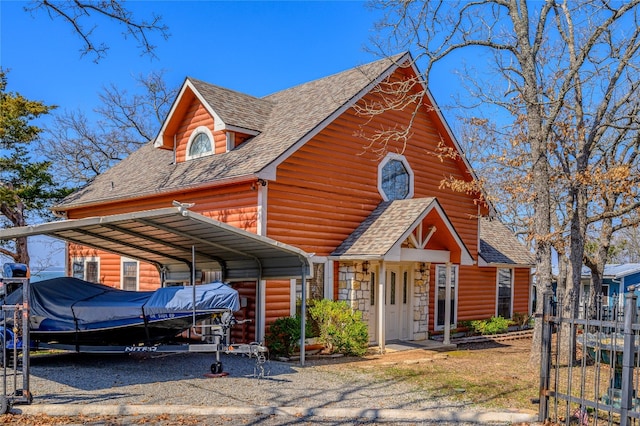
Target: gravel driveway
{"x": 179, "y": 380}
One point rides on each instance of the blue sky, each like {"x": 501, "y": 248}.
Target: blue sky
{"x": 253, "y": 47}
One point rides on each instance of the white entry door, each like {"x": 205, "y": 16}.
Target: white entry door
{"x": 393, "y": 307}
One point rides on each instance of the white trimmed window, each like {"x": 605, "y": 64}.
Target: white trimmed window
{"x": 441, "y": 278}
{"x": 86, "y": 268}
{"x": 200, "y": 143}
{"x": 395, "y": 178}
{"x": 130, "y": 274}
{"x": 504, "y": 305}
{"x": 315, "y": 288}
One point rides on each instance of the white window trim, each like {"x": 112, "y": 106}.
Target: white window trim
{"x": 399, "y": 157}
{"x": 498, "y": 290}
{"x": 455, "y": 271}
{"x": 196, "y": 132}
{"x": 122, "y": 261}
{"x": 84, "y": 261}
{"x": 231, "y": 141}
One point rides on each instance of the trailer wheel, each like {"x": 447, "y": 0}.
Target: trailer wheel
{"x": 216, "y": 368}
{"x": 4, "y": 405}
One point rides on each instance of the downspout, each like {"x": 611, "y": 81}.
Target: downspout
{"x": 260, "y": 306}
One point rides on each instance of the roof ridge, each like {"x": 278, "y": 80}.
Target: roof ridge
{"x": 392, "y": 61}
{"x": 237, "y": 92}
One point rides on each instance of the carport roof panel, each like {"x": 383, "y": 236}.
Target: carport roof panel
{"x": 166, "y": 237}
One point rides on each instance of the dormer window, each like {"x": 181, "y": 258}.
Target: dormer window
{"x": 200, "y": 143}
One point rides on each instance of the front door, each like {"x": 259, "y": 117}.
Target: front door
{"x": 393, "y": 308}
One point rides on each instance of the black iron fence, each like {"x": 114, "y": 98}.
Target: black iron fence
{"x": 590, "y": 368}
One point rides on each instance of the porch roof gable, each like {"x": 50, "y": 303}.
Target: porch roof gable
{"x": 390, "y": 224}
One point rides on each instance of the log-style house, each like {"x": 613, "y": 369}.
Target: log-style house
{"x": 298, "y": 166}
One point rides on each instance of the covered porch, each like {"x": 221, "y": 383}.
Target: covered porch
{"x": 386, "y": 267}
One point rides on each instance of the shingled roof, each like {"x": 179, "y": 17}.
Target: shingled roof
{"x": 389, "y": 225}
{"x": 498, "y": 245}
{"x": 283, "y": 119}
{"x": 235, "y": 108}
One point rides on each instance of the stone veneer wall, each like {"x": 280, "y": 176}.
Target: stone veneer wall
{"x": 354, "y": 286}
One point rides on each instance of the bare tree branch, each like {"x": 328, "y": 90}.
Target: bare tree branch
{"x": 78, "y": 13}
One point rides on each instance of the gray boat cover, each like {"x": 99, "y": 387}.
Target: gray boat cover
{"x": 72, "y": 304}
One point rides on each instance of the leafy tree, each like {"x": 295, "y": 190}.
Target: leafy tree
{"x": 565, "y": 78}
{"x": 27, "y": 186}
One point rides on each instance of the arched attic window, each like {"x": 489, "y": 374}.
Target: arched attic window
{"x": 200, "y": 143}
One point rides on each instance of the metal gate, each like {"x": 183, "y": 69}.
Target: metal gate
{"x": 590, "y": 368}
{"x": 14, "y": 341}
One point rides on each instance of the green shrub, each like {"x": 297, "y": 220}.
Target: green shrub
{"x": 493, "y": 325}
{"x": 341, "y": 328}
{"x": 283, "y": 337}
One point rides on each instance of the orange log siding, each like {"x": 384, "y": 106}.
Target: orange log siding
{"x": 329, "y": 186}
{"x": 278, "y": 300}
{"x": 195, "y": 116}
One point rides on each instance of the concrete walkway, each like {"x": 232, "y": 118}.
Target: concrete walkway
{"x": 298, "y": 412}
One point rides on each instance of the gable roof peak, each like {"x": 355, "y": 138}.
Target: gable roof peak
{"x": 233, "y": 108}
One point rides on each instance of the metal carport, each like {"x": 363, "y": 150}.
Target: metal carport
{"x": 175, "y": 238}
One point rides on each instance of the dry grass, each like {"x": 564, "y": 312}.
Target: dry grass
{"x": 492, "y": 375}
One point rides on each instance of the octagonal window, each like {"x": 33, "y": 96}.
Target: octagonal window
{"x": 395, "y": 178}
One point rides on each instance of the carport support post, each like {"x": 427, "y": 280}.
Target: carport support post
{"x": 193, "y": 282}
{"x": 303, "y": 316}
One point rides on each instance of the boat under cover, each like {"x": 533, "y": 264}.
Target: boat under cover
{"x": 72, "y": 311}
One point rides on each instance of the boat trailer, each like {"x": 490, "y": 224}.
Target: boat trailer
{"x": 214, "y": 339}
{"x": 15, "y": 331}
